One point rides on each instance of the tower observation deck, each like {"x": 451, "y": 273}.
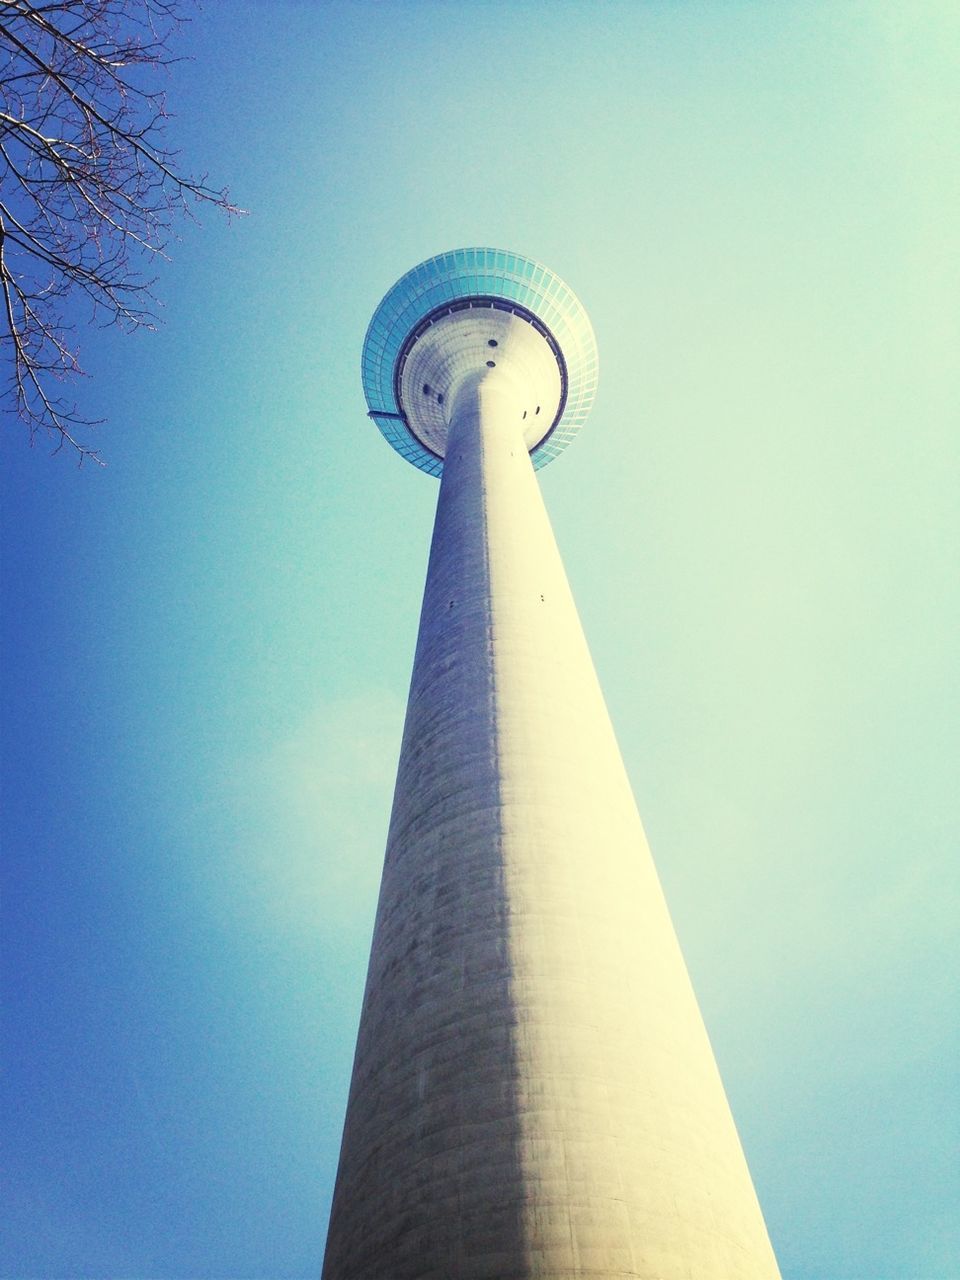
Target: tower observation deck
{"x": 533, "y": 1092}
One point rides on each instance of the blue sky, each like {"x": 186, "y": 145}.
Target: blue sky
{"x": 207, "y": 643}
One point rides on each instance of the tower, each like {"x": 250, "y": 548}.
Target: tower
{"x": 533, "y": 1093}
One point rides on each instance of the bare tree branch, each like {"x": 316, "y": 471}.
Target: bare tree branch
{"x": 88, "y": 191}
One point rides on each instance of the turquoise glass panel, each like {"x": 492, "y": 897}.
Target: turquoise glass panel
{"x": 464, "y": 273}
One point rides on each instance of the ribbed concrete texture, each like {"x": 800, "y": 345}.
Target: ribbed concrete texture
{"x": 534, "y": 1094}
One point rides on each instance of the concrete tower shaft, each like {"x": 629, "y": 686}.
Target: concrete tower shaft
{"x": 533, "y": 1094}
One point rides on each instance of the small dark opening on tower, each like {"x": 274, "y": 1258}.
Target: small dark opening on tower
{"x": 538, "y": 409}
{"x": 491, "y": 342}
{"x": 524, "y": 413}
{"x": 426, "y": 388}
{"x": 491, "y": 364}
{"x": 440, "y": 398}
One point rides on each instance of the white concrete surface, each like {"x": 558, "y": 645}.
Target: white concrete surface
{"x": 454, "y": 347}
{"x": 534, "y": 1094}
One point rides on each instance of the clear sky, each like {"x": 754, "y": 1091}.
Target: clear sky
{"x": 207, "y": 643}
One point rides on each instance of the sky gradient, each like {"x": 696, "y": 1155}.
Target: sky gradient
{"x": 207, "y": 644}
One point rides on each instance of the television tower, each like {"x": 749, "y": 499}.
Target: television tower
{"x": 533, "y": 1093}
